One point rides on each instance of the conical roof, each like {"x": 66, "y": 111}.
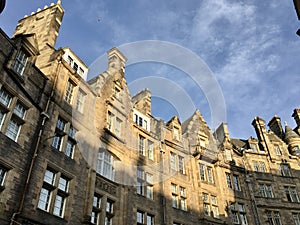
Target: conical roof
{"x": 289, "y": 133}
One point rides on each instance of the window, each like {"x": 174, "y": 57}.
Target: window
{"x": 236, "y": 182}
{"x": 70, "y": 60}
{"x": 174, "y": 196}
{"x": 291, "y": 194}
{"x": 273, "y": 218}
{"x": 228, "y": 155}
{"x": 173, "y": 161}
{"x": 228, "y": 180}
{"x": 266, "y": 191}
{"x": 80, "y": 100}
{"x": 206, "y": 173}
{"x": 109, "y": 212}
{"x": 150, "y": 150}
{"x": 176, "y": 134}
{"x": 210, "y": 205}
{"x": 178, "y": 199}
{"x": 59, "y": 133}
{"x": 296, "y": 218}
{"x": 255, "y": 166}
{"x": 150, "y": 220}
{"x": 177, "y": 163}
{"x": 96, "y": 209}
{"x": 206, "y": 205}
{"x": 3, "y": 172}
{"x": 142, "y": 145}
{"x": 181, "y": 164}
{"x": 277, "y": 150}
{"x": 238, "y": 213}
{"x": 141, "y": 120}
{"x": 254, "y": 147}
{"x": 105, "y": 165}
{"x": 5, "y": 98}
{"x": 114, "y": 124}
{"x": 259, "y": 167}
{"x": 210, "y": 177}
{"x": 144, "y": 184}
{"x": 16, "y": 121}
{"x": 262, "y": 167}
{"x": 69, "y": 92}
{"x": 233, "y": 181}
{"x": 50, "y": 192}
{"x": 284, "y": 170}
{"x": 140, "y": 217}
{"x": 81, "y": 71}
{"x": 20, "y": 63}
{"x": 75, "y": 66}
{"x": 66, "y": 145}
{"x": 202, "y": 172}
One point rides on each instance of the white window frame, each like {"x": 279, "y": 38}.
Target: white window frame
{"x": 105, "y": 165}
{"x": 20, "y": 62}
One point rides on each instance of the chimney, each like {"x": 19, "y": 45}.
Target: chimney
{"x": 296, "y": 116}
{"x": 260, "y": 127}
{"x": 275, "y": 126}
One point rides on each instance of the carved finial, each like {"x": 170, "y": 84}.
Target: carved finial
{"x": 59, "y": 2}
{"x": 285, "y": 123}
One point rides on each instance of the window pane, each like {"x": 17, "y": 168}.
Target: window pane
{"x": 20, "y": 63}
{"x": 44, "y": 200}
{"x": 150, "y": 220}
{"x": 3, "y": 172}
{"x": 19, "y": 110}
{"x": 57, "y": 140}
{"x": 69, "y": 92}
{"x": 49, "y": 177}
{"x": 202, "y": 172}
{"x": 105, "y": 165}
{"x": 59, "y": 206}
{"x": 80, "y": 101}
{"x": 60, "y": 124}
{"x": 236, "y": 183}
{"x": 63, "y": 184}
{"x": 69, "y": 149}
{"x": 141, "y": 145}
{"x": 150, "y": 150}
{"x": 181, "y": 164}
{"x": 13, "y": 129}
{"x": 228, "y": 179}
{"x": 140, "y": 217}
{"x": 173, "y": 161}
{"x": 2, "y": 116}
{"x": 96, "y": 201}
{"x": 5, "y": 98}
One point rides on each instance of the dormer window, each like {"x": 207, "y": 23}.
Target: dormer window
{"x": 254, "y": 147}
{"x": 75, "y": 66}
{"x": 20, "y": 63}
{"x": 228, "y": 155}
{"x": 141, "y": 120}
{"x": 176, "y": 134}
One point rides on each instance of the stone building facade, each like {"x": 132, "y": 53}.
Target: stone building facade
{"x": 87, "y": 152}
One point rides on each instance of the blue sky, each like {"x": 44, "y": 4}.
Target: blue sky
{"x": 250, "y": 47}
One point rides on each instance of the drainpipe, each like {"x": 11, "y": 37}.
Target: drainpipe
{"x": 43, "y": 117}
